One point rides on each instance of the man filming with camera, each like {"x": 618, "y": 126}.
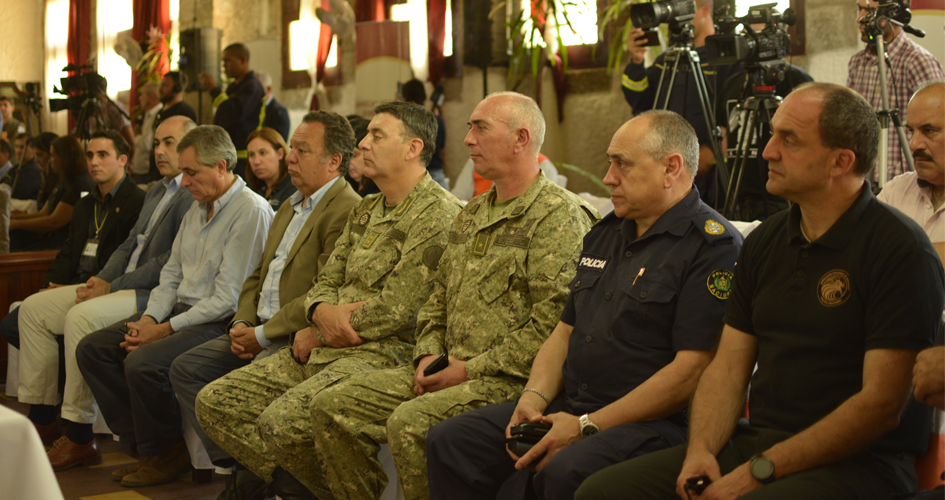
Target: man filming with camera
{"x": 910, "y": 65}
{"x": 639, "y": 326}
{"x": 639, "y": 84}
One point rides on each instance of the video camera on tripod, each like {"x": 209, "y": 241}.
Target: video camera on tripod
{"x": 888, "y": 11}
{"x": 77, "y": 88}
{"x": 676, "y": 14}
{"x": 770, "y": 44}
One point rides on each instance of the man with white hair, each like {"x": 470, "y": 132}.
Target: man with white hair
{"x": 502, "y": 285}
{"x": 274, "y": 116}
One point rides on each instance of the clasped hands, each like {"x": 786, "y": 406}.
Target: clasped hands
{"x": 144, "y": 331}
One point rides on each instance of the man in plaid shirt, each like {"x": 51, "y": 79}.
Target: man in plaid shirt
{"x": 911, "y": 66}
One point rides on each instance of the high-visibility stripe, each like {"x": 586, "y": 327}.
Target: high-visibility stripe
{"x": 262, "y": 113}
{"x": 633, "y": 85}
{"x": 218, "y": 100}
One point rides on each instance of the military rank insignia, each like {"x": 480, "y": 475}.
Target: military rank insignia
{"x": 364, "y": 219}
{"x": 720, "y": 283}
{"x": 466, "y": 225}
{"x": 482, "y": 242}
{"x": 369, "y": 238}
{"x": 714, "y": 228}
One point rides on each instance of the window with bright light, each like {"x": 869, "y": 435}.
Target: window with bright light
{"x": 448, "y": 42}
{"x": 303, "y": 36}
{"x": 111, "y": 65}
{"x": 415, "y": 12}
{"x": 57, "y": 40}
{"x": 583, "y": 17}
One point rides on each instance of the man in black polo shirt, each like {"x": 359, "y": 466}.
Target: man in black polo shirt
{"x": 833, "y": 299}
{"x": 644, "y": 313}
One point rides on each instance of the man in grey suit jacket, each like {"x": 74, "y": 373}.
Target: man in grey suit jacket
{"x": 301, "y": 238}
{"x": 119, "y": 290}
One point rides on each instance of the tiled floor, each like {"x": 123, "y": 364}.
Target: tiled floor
{"x": 94, "y": 483}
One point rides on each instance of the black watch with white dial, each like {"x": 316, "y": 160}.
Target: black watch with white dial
{"x": 762, "y": 468}
{"x": 588, "y": 428}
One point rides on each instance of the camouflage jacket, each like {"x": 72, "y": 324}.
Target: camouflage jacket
{"x": 389, "y": 261}
{"x": 503, "y": 282}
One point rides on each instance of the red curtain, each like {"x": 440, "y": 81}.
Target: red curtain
{"x": 147, "y": 14}
{"x": 436, "y": 37}
{"x": 369, "y": 10}
{"x": 79, "y": 28}
{"x": 324, "y": 45}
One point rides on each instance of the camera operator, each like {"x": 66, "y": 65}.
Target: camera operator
{"x": 639, "y": 92}
{"x": 911, "y": 64}
{"x": 753, "y": 202}
{"x": 110, "y": 116}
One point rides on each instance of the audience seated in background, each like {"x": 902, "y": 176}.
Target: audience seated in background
{"x": 272, "y": 302}
{"x": 126, "y": 365}
{"x": 355, "y": 175}
{"x": 817, "y": 303}
{"x": 501, "y": 285}
{"x": 599, "y": 416}
{"x": 27, "y": 176}
{"x": 268, "y": 173}
{"x": 362, "y": 310}
{"x": 11, "y": 126}
{"x": 41, "y": 152}
{"x": 119, "y": 289}
{"x": 48, "y": 228}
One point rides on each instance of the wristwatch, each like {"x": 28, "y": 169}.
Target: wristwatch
{"x": 762, "y": 469}
{"x": 588, "y": 428}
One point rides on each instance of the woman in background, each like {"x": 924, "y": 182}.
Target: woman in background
{"x": 267, "y": 172}
{"x": 355, "y": 175}
{"x": 48, "y": 228}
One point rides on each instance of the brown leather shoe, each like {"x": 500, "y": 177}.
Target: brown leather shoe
{"x": 49, "y": 433}
{"x": 161, "y": 469}
{"x": 119, "y": 474}
{"x": 65, "y": 454}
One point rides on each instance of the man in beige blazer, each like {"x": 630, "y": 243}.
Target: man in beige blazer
{"x": 301, "y": 238}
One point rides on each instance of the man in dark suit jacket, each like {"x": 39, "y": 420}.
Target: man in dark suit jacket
{"x": 276, "y": 116}
{"x": 302, "y": 236}
{"x": 100, "y": 223}
{"x": 118, "y": 290}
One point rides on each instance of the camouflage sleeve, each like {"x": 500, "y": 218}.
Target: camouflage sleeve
{"x": 332, "y": 276}
{"x": 551, "y": 264}
{"x": 431, "y": 320}
{"x": 409, "y": 283}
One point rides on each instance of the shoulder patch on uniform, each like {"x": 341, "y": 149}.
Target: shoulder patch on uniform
{"x": 364, "y": 219}
{"x": 719, "y": 283}
{"x": 431, "y": 256}
{"x": 714, "y": 227}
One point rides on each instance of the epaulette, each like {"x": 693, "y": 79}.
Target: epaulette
{"x": 712, "y": 228}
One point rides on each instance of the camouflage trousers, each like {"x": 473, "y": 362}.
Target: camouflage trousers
{"x": 353, "y": 418}
{"x": 259, "y": 414}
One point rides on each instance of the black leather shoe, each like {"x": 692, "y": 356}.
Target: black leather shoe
{"x": 244, "y": 485}
{"x": 287, "y": 487}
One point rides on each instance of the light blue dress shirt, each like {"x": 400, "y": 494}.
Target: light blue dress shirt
{"x": 211, "y": 259}
{"x": 170, "y": 189}
{"x": 269, "y": 295}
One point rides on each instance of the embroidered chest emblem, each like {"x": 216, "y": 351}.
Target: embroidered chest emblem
{"x": 714, "y": 228}
{"x": 833, "y": 288}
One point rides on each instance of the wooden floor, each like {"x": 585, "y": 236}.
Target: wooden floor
{"x": 94, "y": 483}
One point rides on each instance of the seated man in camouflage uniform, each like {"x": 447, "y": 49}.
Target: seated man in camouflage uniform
{"x": 502, "y": 285}
{"x": 379, "y": 274}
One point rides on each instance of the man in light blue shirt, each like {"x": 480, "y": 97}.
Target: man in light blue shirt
{"x": 302, "y": 236}
{"x": 126, "y": 365}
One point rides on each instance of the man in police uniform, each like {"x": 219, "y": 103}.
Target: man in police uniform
{"x": 367, "y": 296}
{"x": 501, "y": 288}
{"x": 648, "y": 298}
{"x": 825, "y": 302}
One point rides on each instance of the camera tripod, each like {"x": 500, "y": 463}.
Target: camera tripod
{"x": 758, "y": 109}
{"x": 683, "y": 52}
{"x": 875, "y": 27}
